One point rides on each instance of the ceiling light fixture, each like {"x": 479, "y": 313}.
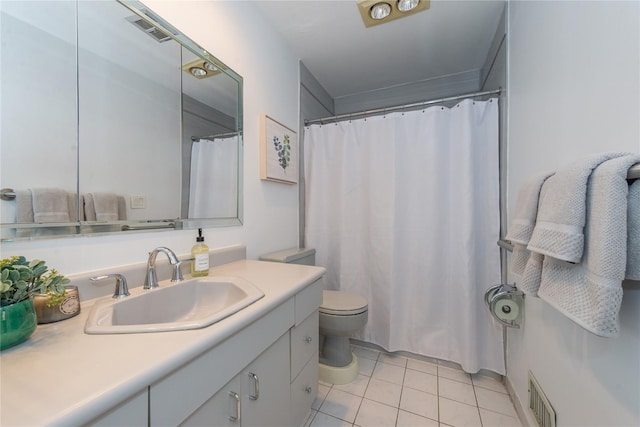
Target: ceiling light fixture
{"x": 380, "y": 10}
{"x": 374, "y": 12}
{"x": 407, "y": 5}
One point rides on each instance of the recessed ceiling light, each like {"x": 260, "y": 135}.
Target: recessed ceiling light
{"x": 198, "y": 72}
{"x": 407, "y": 5}
{"x": 380, "y": 10}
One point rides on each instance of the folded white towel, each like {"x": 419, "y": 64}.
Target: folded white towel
{"x": 24, "y": 207}
{"x": 526, "y": 209}
{"x": 559, "y": 229}
{"x": 633, "y": 232}
{"x": 530, "y": 282}
{"x": 50, "y": 205}
{"x": 106, "y": 206}
{"x": 122, "y": 208}
{"x": 521, "y": 227}
{"x": 590, "y": 293}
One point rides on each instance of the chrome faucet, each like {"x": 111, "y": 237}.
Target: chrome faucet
{"x": 151, "y": 279}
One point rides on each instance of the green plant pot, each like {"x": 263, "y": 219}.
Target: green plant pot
{"x": 17, "y": 323}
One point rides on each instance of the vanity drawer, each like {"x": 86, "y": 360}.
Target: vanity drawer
{"x": 304, "y": 390}
{"x": 304, "y": 343}
{"x": 308, "y": 300}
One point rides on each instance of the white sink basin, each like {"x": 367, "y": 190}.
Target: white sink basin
{"x": 192, "y": 304}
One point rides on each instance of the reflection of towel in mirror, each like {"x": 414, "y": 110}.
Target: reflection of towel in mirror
{"x": 24, "y": 207}
{"x": 50, "y": 205}
{"x": 633, "y": 232}
{"x": 104, "y": 207}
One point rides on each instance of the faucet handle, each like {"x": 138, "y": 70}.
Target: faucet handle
{"x": 122, "y": 290}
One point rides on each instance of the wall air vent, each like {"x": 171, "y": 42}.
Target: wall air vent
{"x": 539, "y": 404}
{"x": 151, "y": 30}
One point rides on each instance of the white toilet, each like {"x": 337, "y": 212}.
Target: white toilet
{"x": 341, "y": 315}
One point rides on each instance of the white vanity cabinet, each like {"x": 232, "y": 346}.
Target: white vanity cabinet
{"x": 304, "y": 353}
{"x": 275, "y": 356}
{"x": 134, "y": 412}
{"x": 258, "y": 396}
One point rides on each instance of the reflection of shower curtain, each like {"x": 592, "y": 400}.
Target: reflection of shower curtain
{"x": 404, "y": 210}
{"x": 214, "y": 178}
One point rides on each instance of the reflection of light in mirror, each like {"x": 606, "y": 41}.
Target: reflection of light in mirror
{"x": 209, "y": 66}
{"x": 198, "y": 72}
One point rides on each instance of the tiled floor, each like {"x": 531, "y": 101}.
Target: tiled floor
{"x": 404, "y": 392}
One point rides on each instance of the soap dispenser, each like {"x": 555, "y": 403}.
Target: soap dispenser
{"x": 200, "y": 252}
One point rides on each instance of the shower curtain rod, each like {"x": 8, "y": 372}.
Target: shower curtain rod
{"x": 219, "y": 135}
{"x": 416, "y": 105}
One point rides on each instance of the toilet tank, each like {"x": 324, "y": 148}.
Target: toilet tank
{"x": 303, "y": 256}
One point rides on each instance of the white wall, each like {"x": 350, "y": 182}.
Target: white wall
{"x": 574, "y": 76}
{"x": 239, "y": 37}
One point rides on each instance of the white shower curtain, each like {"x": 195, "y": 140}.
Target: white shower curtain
{"x": 404, "y": 210}
{"x": 214, "y": 178}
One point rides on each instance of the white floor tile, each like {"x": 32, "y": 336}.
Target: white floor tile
{"x": 375, "y": 414}
{"x": 455, "y": 390}
{"x": 494, "y": 419}
{"x": 324, "y": 420}
{"x": 494, "y": 401}
{"x": 400, "y": 391}
{"x": 419, "y": 402}
{"x": 386, "y": 372}
{"x": 365, "y": 366}
{"x": 421, "y": 381}
{"x": 366, "y": 353}
{"x": 454, "y": 374}
{"x": 419, "y": 365}
{"x": 341, "y": 404}
{"x": 393, "y": 359}
{"x": 459, "y": 414}
{"x": 487, "y": 382}
{"x": 322, "y": 393}
{"x": 384, "y": 392}
{"x": 407, "y": 419}
{"x": 357, "y": 386}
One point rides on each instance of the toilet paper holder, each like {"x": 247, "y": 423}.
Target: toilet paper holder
{"x": 504, "y": 303}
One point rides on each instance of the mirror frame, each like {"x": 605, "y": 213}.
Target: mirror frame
{"x": 93, "y": 228}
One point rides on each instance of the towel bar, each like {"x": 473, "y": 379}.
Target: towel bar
{"x": 7, "y": 194}
{"x": 505, "y": 244}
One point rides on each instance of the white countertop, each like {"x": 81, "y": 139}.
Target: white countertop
{"x": 62, "y": 376}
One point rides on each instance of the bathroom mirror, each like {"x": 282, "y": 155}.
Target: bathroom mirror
{"x": 107, "y": 103}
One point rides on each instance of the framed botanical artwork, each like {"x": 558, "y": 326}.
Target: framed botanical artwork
{"x": 278, "y": 152}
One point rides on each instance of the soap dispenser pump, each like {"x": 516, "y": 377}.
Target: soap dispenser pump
{"x": 200, "y": 252}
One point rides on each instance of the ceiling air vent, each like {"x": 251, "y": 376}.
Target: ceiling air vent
{"x": 151, "y": 30}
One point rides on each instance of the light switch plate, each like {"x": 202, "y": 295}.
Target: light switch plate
{"x": 138, "y": 201}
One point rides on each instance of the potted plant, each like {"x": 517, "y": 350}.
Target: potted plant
{"x": 19, "y": 281}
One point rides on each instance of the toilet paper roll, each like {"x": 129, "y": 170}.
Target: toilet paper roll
{"x": 506, "y": 309}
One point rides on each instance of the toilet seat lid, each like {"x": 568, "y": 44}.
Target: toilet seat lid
{"x": 342, "y": 303}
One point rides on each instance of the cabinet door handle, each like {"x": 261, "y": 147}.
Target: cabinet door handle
{"x": 236, "y": 400}
{"x": 256, "y": 386}
{"x": 308, "y": 339}
{"x": 308, "y": 390}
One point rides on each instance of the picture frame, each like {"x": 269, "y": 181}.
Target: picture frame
{"x": 278, "y": 152}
